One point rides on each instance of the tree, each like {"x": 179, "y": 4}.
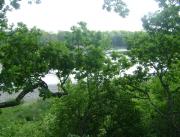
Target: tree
{"x": 61, "y": 60}
{"x": 95, "y": 106}
{"x": 23, "y": 65}
{"x": 159, "y": 52}
{"x": 117, "y": 5}
{"x": 105, "y": 112}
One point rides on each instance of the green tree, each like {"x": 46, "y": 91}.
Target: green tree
{"x": 157, "y": 55}
{"x": 61, "y": 60}
{"x": 22, "y": 63}
{"x": 104, "y": 112}
{"x": 95, "y": 106}
{"x": 117, "y": 6}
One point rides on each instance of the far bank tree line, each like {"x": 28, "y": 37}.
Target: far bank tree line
{"x": 111, "y": 39}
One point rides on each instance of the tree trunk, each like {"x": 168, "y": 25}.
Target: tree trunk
{"x": 28, "y": 89}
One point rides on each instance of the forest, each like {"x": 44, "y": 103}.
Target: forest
{"x": 105, "y": 98}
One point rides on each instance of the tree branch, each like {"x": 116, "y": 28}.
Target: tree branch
{"x": 18, "y": 99}
{"x": 52, "y": 94}
{"x": 149, "y": 98}
{"x": 26, "y": 90}
{"x": 176, "y": 90}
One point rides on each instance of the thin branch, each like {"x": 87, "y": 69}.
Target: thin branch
{"x": 176, "y": 90}
{"x": 149, "y": 98}
{"x": 63, "y": 81}
{"x": 52, "y": 94}
{"x": 58, "y": 94}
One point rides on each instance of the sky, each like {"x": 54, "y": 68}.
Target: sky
{"x": 59, "y": 15}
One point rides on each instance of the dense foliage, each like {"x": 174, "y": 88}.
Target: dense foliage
{"x": 112, "y": 94}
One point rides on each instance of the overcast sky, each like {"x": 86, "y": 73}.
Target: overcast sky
{"x": 55, "y": 15}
